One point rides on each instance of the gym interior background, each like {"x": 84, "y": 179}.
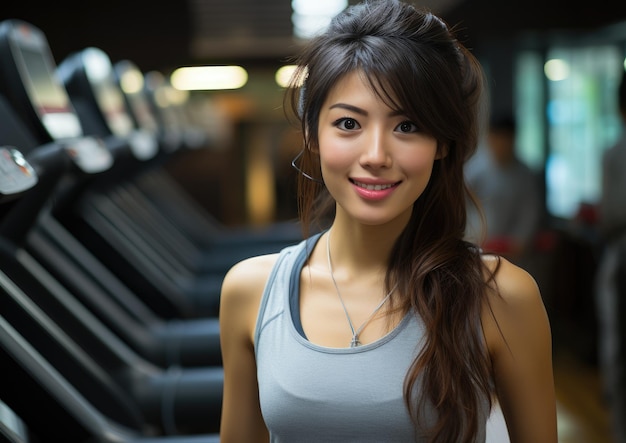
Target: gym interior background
{"x": 555, "y": 65}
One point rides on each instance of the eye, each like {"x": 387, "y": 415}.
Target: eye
{"x": 347, "y": 124}
{"x": 407, "y": 127}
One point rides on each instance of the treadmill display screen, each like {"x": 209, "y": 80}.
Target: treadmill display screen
{"x": 142, "y": 111}
{"x": 49, "y": 98}
{"x": 111, "y": 102}
{"x": 99, "y": 71}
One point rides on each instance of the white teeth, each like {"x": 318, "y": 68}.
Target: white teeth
{"x": 373, "y": 187}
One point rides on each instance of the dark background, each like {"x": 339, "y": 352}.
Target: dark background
{"x": 158, "y": 34}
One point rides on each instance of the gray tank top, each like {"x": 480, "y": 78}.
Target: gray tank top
{"x": 311, "y": 393}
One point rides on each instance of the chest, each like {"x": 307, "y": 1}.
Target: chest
{"x": 331, "y": 318}
{"x": 334, "y": 394}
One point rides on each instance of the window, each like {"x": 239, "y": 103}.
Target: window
{"x": 580, "y": 114}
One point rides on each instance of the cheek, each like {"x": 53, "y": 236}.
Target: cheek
{"x": 420, "y": 163}
{"x": 334, "y": 155}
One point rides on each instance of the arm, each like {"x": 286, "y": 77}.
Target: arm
{"x": 241, "y": 294}
{"x": 519, "y": 340}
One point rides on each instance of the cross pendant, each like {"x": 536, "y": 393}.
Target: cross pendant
{"x": 355, "y": 341}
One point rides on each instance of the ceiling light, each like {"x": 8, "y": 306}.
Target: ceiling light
{"x": 195, "y": 78}
{"x": 309, "y": 17}
{"x": 284, "y": 75}
{"x": 556, "y": 69}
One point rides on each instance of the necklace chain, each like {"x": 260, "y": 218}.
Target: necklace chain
{"x": 355, "y": 333}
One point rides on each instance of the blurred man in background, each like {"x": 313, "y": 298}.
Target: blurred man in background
{"x": 508, "y": 193}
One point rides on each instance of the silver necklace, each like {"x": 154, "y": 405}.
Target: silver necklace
{"x": 355, "y": 333}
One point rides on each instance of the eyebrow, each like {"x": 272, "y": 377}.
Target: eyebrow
{"x": 360, "y": 111}
{"x": 349, "y": 108}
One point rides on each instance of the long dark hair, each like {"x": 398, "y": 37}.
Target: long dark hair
{"x": 415, "y": 64}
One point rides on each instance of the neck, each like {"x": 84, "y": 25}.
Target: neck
{"x": 363, "y": 248}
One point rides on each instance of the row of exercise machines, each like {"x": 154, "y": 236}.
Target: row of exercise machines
{"x": 109, "y": 272}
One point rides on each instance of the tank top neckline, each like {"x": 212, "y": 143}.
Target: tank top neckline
{"x": 293, "y": 305}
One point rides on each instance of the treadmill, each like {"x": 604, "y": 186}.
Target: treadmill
{"x": 133, "y": 231}
{"x": 61, "y": 329}
{"x": 192, "y": 342}
{"x": 28, "y": 62}
{"x": 39, "y": 403}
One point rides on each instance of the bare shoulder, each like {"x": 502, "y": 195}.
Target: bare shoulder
{"x": 248, "y": 276}
{"x": 517, "y": 333}
{"x": 512, "y": 286}
{"x": 250, "y": 271}
{"x": 242, "y": 289}
{"x": 514, "y": 303}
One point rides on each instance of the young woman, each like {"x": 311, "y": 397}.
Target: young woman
{"x": 387, "y": 326}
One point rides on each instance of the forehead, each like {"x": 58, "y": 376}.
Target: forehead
{"x": 357, "y": 87}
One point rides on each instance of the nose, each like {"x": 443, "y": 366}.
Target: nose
{"x": 375, "y": 151}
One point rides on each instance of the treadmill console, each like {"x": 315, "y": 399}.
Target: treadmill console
{"x": 50, "y": 99}
{"x": 110, "y": 99}
{"x": 131, "y": 81}
{"x": 47, "y": 95}
{"x": 89, "y": 154}
{"x": 108, "y": 96}
{"x": 16, "y": 174}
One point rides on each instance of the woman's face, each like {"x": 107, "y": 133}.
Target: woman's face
{"x": 375, "y": 162}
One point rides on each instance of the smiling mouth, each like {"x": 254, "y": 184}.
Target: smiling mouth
{"x": 372, "y": 187}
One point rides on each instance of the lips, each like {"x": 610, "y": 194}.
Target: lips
{"x": 374, "y": 190}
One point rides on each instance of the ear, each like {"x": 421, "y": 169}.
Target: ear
{"x": 308, "y": 145}
{"x": 442, "y": 151}
{"x": 314, "y": 149}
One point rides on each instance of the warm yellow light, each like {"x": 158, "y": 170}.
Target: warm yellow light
{"x": 131, "y": 81}
{"x": 283, "y": 75}
{"x": 160, "y": 98}
{"x": 556, "y": 69}
{"x": 165, "y": 96}
{"x": 194, "y": 78}
{"x": 176, "y": 96}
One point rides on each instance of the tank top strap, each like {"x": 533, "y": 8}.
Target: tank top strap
{"x": 275, "y": 298}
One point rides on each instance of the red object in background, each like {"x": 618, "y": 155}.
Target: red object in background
{"x": 588, "y": 213}
{"x": 498, "y": 245}
{"x": 545, "y": 241}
